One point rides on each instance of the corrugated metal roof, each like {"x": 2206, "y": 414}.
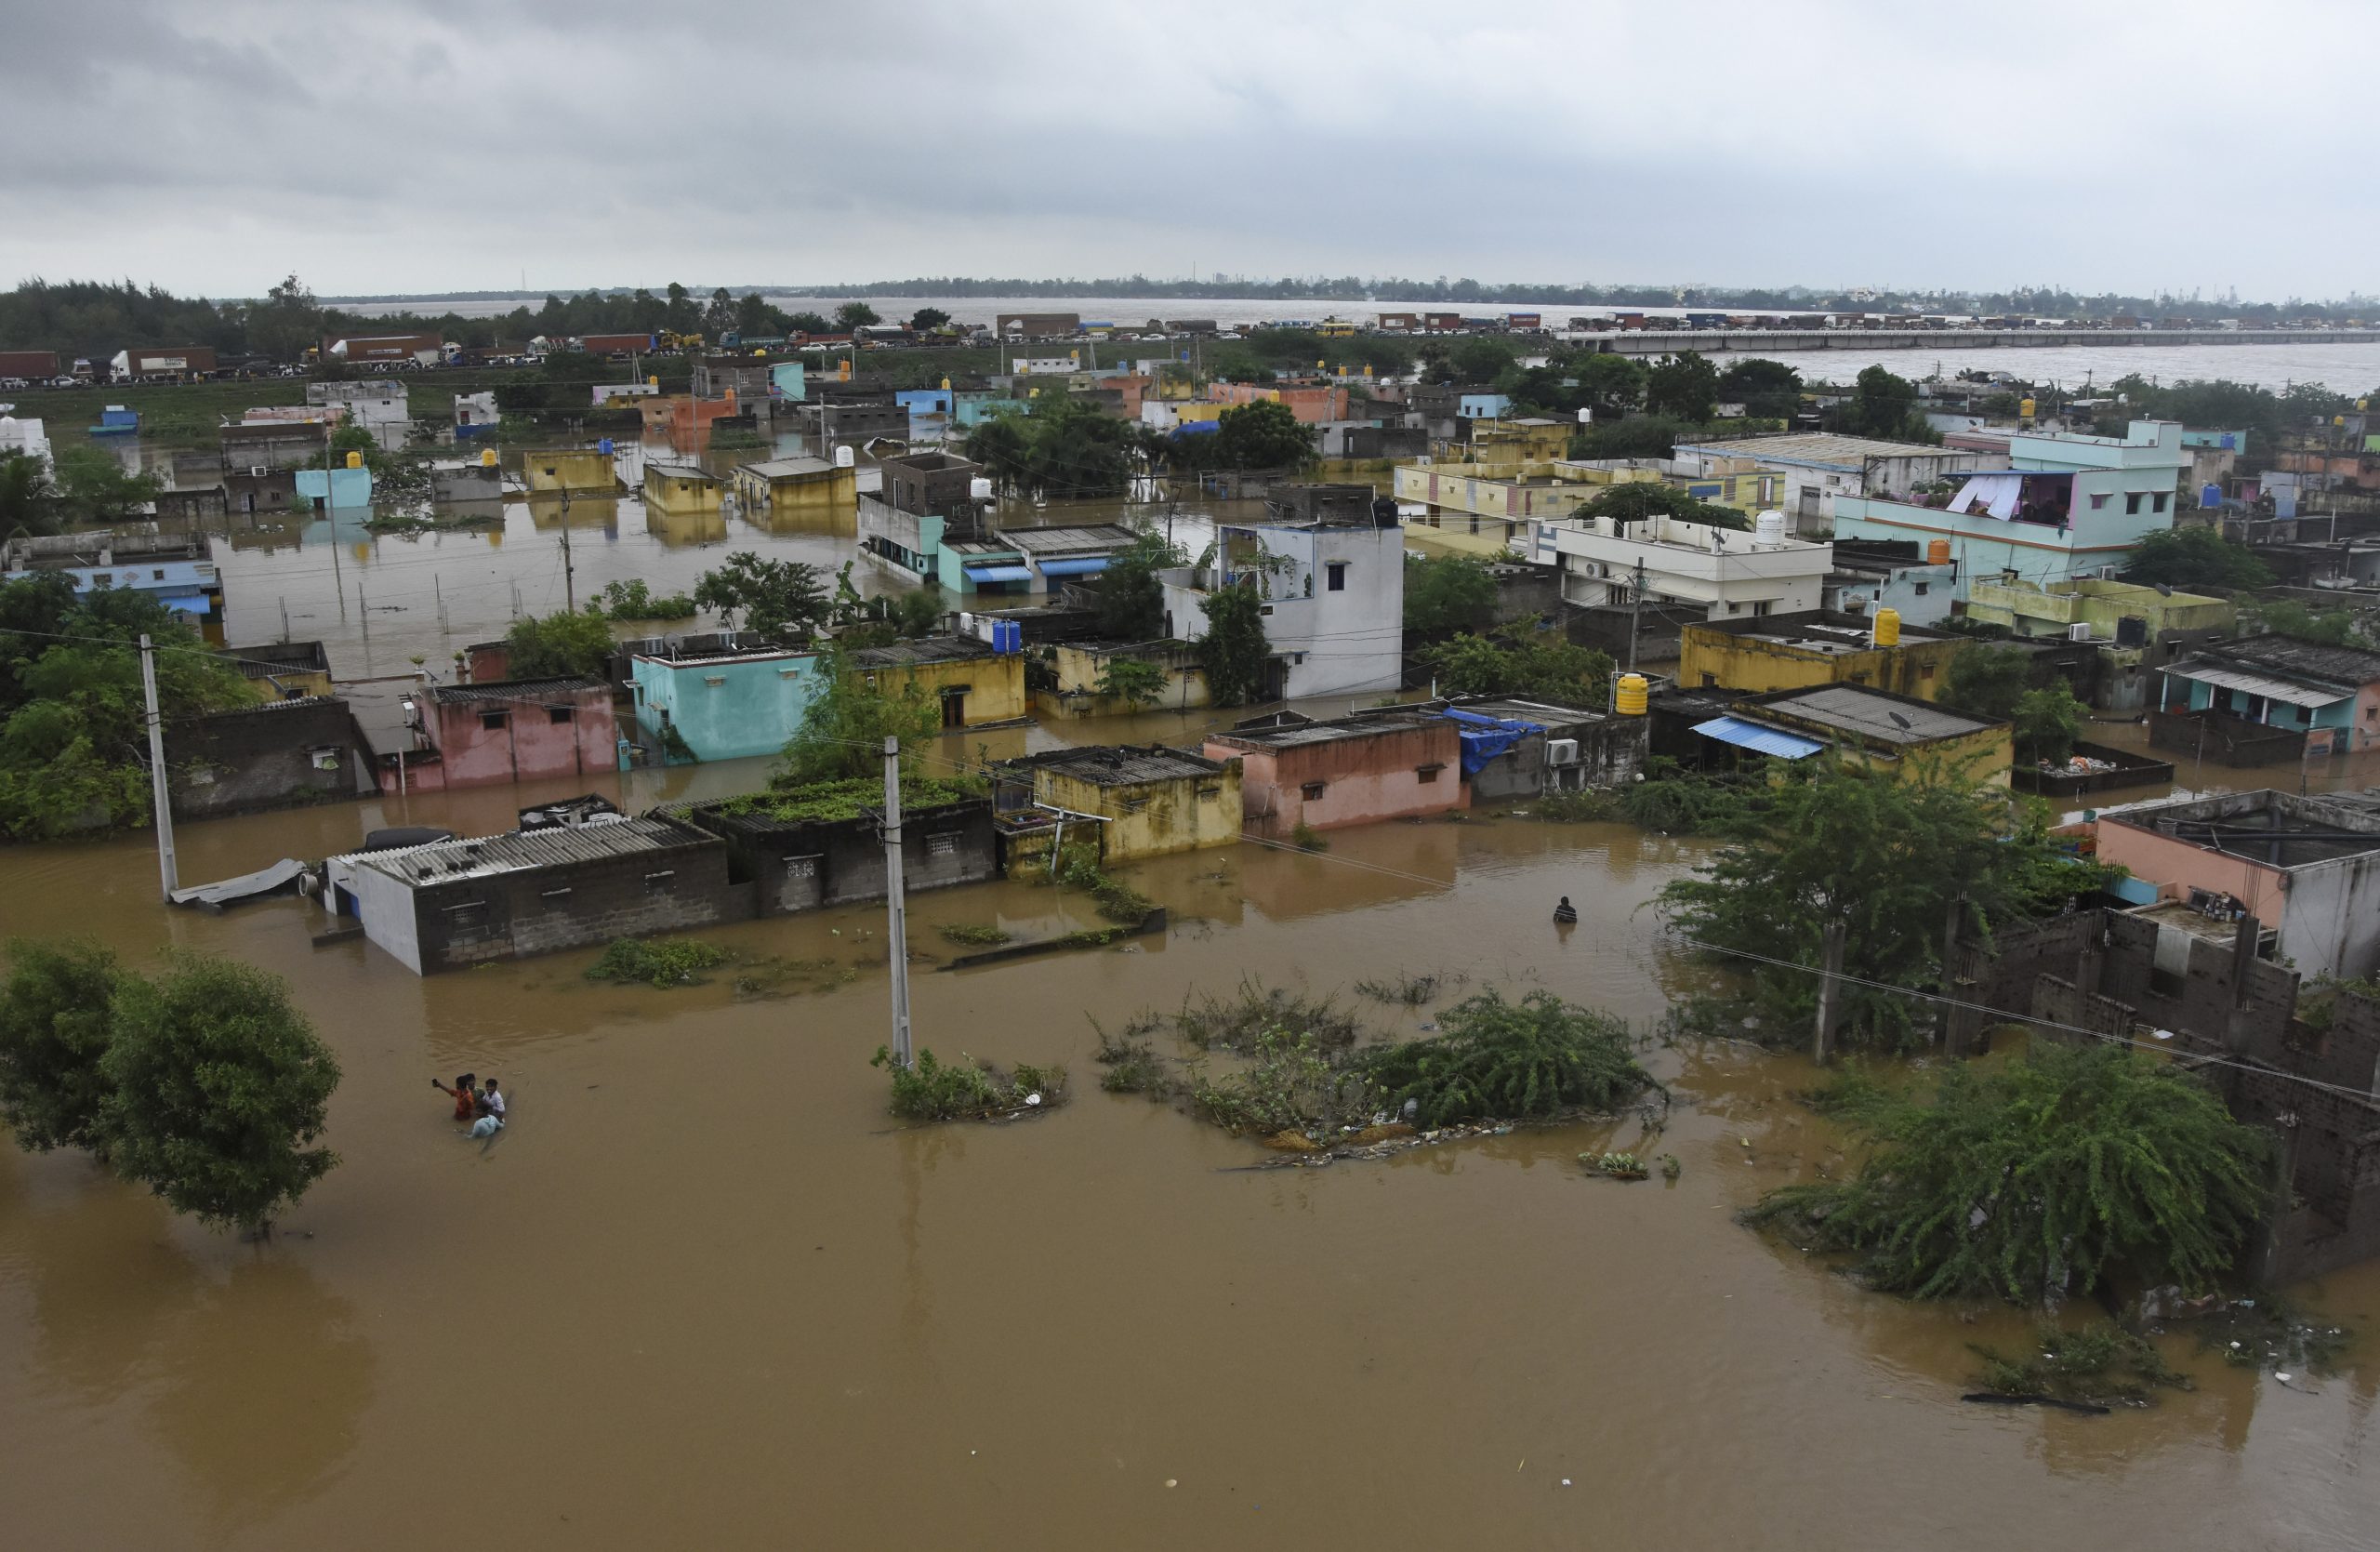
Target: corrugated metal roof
{"x": 1096, "y": 536}
{"x": 2341, "y": 665}
{"x": 1872, "y": 714}
{"x": 1759, "y": 739}
{"x": 518, "y": 851}
{"x": 2265, "y": 684}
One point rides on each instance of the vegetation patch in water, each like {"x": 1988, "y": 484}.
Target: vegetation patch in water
{"x": 969, "y": 1089}
{"x": 661, "y": 963}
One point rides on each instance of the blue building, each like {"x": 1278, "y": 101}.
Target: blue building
{"x": 732, "y": 706}
{"x": 1484, "y": 406}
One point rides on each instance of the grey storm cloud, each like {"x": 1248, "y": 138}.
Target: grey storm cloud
{"x": 424, "y": 145}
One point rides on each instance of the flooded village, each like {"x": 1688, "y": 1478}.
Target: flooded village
{"x": 1138, "y": 913}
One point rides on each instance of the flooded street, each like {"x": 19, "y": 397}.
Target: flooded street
{"x": 704, "y": 1291}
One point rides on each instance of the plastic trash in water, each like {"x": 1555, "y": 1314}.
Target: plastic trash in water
{"x": 1033, "y": 1099}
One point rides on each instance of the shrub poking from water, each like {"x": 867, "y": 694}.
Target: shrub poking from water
{"x": 1078, "y": 868}
{"x": 968, "y": 1090}
{"x": 661, "y": 963}
{"x": 1413, "y": 991}
{"x": 780, "y": 976}
{"x": 1132, "y": 1064}
{"x": 974, "y": 934}
{"x": 1239, "y": 1021}
{"x": 2101, "y": 1363}
{"x": 1504, "y": 1060}
{"x": 1295, "y": 1083}
{"x": 1588, "y": 805}
{"x": 2037, "y": 1177}
{"x": 1305, "y": 837}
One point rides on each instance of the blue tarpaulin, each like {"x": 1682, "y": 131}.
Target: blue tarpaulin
{"x": 1484, "y": 737}
{"x": 1759, "y": 739}
{"x": 999, "y": 574}
{"x": 1079, "y": 567}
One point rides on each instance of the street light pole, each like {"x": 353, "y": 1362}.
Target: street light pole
{"x": 895, "y": 904}
{"x": 158, "y": 792}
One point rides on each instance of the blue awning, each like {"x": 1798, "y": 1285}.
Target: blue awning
{"x": 1759, "y": 739}
{"x": 1074, "y": 568}
{"x": 998, "y": 574}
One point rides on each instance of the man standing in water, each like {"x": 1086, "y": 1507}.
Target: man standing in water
{"x": 490, "y": 1112}
{"x": 466, "y": 1098}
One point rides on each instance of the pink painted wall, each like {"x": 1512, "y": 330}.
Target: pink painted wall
{"x": 530, "y": 745}
{"x": 2179, "y": 865}
{"x": 1364, "y": 780}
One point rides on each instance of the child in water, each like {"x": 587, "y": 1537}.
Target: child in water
{"x": 466, "y": 1098}
{"x": 491, "y": 1105}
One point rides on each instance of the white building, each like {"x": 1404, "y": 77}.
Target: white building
{"x": 1819, "y": 465}
{"x": 1721, "y": 571}
{"x": 1333, "y": 602}
{"x": 23, "y": 436}
{"x": 1045, "y": 366}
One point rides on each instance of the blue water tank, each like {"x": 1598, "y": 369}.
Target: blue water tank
{"x": 2210, "y": 495}
{"x": 604, "y": 446}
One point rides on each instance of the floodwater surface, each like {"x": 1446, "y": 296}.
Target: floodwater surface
{"x": 704, "y": 1291}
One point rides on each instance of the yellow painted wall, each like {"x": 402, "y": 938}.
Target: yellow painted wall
{"x": 1080, "y": 670}
{"x": 1732, "y": 662}
{"x": 800, "y": 496}
{"x": 2035, "y": 611}
{"x": 1983, "y": 756}
{"x": 679, "y": 495}
{"x": 1501, "y": 442}
{"x": 995, "y": 686}
{"x": 1152, "y": 818}
{"x": 574, "y": 469}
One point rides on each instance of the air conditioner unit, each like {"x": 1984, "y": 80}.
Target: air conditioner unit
{"x": 2080, "y": 632}
{"x": 1561, "y": 751}
{"x": 258, "y": 471}
{"x": 2108, "y": 572}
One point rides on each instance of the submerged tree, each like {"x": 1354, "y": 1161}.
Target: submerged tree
{"x": 55, "y": 1014}
{"x": 1444, "y": 594}
{"x": 1235, "y": 651}
{"x": 849, "y": 717}
{"x": 1511, "y": 1060}
{"x": 2040, "y": 1177}
{"x": 778, "y": 598}
{"x": 1129, "y": 598}
{"x": 564, "y": 644}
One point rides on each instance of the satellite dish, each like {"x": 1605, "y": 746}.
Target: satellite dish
{"x": 1899, "y": 719}
{"x": 2165, "y": 590}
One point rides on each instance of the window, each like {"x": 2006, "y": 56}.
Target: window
{"x": 554, "y": 897}
{"x": 2098, "y": 500}
{"x": 2157, "y": 502}
{"x": 1337, "y": 574}
{"x": 1426, "y": 774}
{"x": 1311, "y": 791}
{"x": 802, "y": 867}
{"x": 158, "y": 575}
{"x": 1734, "y": 608}
{"x": 2132, "y": 503}
{"x": 1926, "y": 671}
{"x": 558, "y": 713}
{"x": 655, "y": 883}
{"x": 941, "y": 845}
{"x": 1212, "y": 794}
{"x": 1762, "y": 605}
{"x": 1922, "y": 587}
{"x": 493, "y": 721}
{"x": 1710, "y": 681}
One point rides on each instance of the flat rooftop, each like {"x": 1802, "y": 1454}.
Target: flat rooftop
{"x": 1126, "y": 766}
{"x": 2279, "y": 830}
{"x": 1328, "y": 733}
{"x": 1814, "y": 631}
{"x": 508, "y": 690}
{"x": 1053, "y": 541}
{"x": 1824, "y": 448}
{"x": 925, "y": 649}
{"x": 1867, "y": 713}
{"x": 787, "y": 469}
{"x": 522, "y": 851}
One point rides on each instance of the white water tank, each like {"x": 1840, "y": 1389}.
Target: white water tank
{"x": 979, "y": 490}
{"x": 845, "y": 458}
{"x": 1769, "y": 527}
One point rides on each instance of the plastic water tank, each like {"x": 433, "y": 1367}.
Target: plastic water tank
{"x": 1888, "y": 628}
{"x": 1937, "y": 553}
{"x": 979, "y": 490}
{"x": 487, "y": 457}
{"x": 604, "y": 446}
{"x": 844, "y": 459}
{"x": 354, "y": 460}
{"x": 1633, "y": 695}
{"x": 1769, "y": 527}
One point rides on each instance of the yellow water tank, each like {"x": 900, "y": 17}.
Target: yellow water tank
{"x": 1888, "y": 628}
{"x": 1937, "y": 553}
{"x": 354, "y": 460}
{"x": 2025, "y": 408}
{"x": 1633, "y": 689}
{"x": 946, "y": 385}
{"x": 487, "y": 457}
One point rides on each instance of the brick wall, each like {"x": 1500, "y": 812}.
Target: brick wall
{"x": 263, "y": 756}
{"x": 802, "y": 867}
{"x": 545, "y": 909}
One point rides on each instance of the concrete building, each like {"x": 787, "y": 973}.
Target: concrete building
{"x": 2305, "y": 698}
{"x": 832, "y": 857}
{"x": 1355, "y": 771}
{"x": 2065, "y": 506}
{"x": 1908, "y": 738}
{"x": 24, "y": 436}
{"x": 726, "y": 705}
{"x": 174, "y": 568}
{"x": 1519, "y": 748}
{"x": 552, "y": 470}
{"x": 512, "y": 730}
{"x": 746, "y": 378}
{"x": 275, "y": 754}
{"x": 1873, "y": 575}
{"x": 376, "y": 404}
{"x": 681, "y": 489}
{"x": 1816, "y": 468}
{"x": 453, "y": 904}
{"x": 1334, "y": 602}
{"x": 1786, "y": 652}
{"x": 2138, "y": 631}
{"x": 476, "y": 414}
{"x": 1723, "y": 571}
{"x": 1055, "y": 556}
{"x": 975, "y": 685}
{"x": 1155, "y": 801}
{"x": 285, "y": 671}
{"x": 796, "y": 485}
{"x": 1081, "y": 666}
{"x": 258, "y": 448}
{"x": 2308, "y": 869}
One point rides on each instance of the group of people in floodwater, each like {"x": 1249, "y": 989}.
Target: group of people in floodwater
{"x": 480, "y": 1108}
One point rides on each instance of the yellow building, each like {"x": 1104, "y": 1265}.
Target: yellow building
{"x": 1155, "y": 801}
{"x": 287, "y": 670}
{"x": 796, "y": 488}
{"x": 1082, "y": 667}
{"x": 551, "y": 469}
{"x": 976, "y": 687}
{"x": 1901, "y": 735}
{"x": 2031, "y": 609}
{"x": 1531, "y": 439}
{"x": 681, "y": 490}
{"x": 1785, "y": 651}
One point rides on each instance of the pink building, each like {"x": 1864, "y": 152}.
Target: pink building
{"x": 513, "y": 730}
{"x": 1311, "y": 405}
{"x": 1358, "y": 772}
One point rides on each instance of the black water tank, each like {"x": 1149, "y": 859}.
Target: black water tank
{"x": 2132, "y": 630}
{"x": 1384, "y": 512}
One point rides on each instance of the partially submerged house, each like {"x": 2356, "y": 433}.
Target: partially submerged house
{"x": 1783, "y": 652}
{"x": 974, "y": 683}
{"x": 1352, "y": 771}
{"x": 795, "y": 486}
{"x": 2268, "y": 697}
{"x": 2306, "y": 868}
{"x": 1333, "y": 596}
{"x": 1148, "y": 802}
{"x": 723, "y": 705}
{"x": 279, "y": 753}
{"x": 1515, "y": 747}
{"x": 450, "y": 904}
{"x": 804, "y": 850}
{"x": 1081, "y": 668}
{"x": 1899, "y": 735}
{"x": 511, "y": 730}
{"x": 284, "y": 670}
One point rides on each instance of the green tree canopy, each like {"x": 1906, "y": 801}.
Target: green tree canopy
{"x": 2043, "y": 1175}
{"x": 1524, "y": 661}
{"x": 781, "y": 600}
{"x": 1883, "y": 405}
{"x": 925, "y": 320}
{"x": 850, "y": 715}
{"x": 1685, "y": 385}
{"x": 1612, "y": 384}
{"x": 1639, "y": 499}
{"x": 1884, "y": 854}
{"x": 1060, "y": 446}
{"x": 1266, "y": 434}
{"x": 1235, "y": 651}
{"x": 2196, "y": 558}
{"x": 1987, "y": 680}
{"x": 560, "y": 645}
{"x": 56, "y": 1019}
{"x": 29, "y": 504}
{"x": 852, "y": 316}
{"x": 217, "y": 1085}
{"x": 1129, "y": 600}
{"x": 1445, "y": 594}
{"x": 1767, "y": 389}
{"x": 93, "y": 487}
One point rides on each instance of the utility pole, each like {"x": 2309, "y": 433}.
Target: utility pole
{"x": 158, "y": 794}
{"x": 1830, "y": 994}
{"x": 895, "y": 905}
{"x": 1636, "y": 610}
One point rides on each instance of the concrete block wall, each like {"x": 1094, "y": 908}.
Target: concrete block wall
{"x": 803, "y": 866}
{"x": 261, "y": 757}
{"x": 543, "y": 910}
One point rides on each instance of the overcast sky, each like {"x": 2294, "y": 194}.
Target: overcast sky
{"x": 431, "y": 145}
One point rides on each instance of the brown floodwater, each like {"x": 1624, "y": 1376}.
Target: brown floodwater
{"x": 705, "y": 1292}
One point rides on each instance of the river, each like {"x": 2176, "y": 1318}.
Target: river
{"x": 704, "y": 1291}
